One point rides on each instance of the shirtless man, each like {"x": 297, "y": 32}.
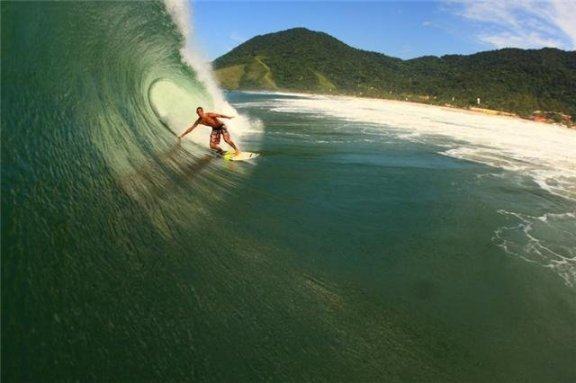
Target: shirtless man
{"x": 218, "y": 129}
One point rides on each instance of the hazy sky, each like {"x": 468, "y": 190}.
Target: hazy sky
{"x": 400, "y": 28}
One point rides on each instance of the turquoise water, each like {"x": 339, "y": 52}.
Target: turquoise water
{"x": 353, "y": 249}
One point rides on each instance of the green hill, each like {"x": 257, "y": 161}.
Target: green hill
{"x": 515, "y": 80}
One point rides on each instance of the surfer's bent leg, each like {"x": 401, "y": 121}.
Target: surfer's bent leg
{"x": 215, "y": 140}
{"x": 228, "y": 140}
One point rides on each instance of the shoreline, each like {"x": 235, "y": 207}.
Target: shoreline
{"x": 470, "y": 110}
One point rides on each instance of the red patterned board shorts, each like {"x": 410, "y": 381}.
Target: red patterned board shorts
{"x": 217, "y": 133}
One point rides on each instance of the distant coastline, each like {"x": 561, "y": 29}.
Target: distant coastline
{"x": 539, "y": 85}
{"x": 541, "y": 118}
{"x": 470, "y": 110}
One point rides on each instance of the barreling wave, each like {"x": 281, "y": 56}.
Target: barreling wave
{"x": 95, "y": 92}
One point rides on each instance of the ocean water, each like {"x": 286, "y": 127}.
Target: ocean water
{"x": 371, "y": 241}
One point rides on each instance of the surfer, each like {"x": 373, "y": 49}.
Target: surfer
{"x": 218, "y": 129}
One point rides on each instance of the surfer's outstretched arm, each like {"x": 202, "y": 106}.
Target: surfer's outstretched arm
{"x": 189, "y": 129}
{"x": 217, "y": 115}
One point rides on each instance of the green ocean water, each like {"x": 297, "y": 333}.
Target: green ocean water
{"x": 349, "y": 251}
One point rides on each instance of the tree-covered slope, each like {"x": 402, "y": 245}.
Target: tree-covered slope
{"x": 514, "y": 80}
{"x": 304, "y": 60}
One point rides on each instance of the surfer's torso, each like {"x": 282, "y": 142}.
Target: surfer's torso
{"x": 210, "y": 120}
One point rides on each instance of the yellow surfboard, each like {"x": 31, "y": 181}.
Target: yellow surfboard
{"x": 243, "y": 156}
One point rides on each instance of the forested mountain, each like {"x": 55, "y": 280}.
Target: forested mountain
{"x": 514, "y": 80}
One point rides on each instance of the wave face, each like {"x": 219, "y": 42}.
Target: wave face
{"x": 94, "y": 186}
{"x": 77, "y": 87}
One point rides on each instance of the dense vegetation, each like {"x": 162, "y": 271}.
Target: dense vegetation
{"x": 514, "y": 80}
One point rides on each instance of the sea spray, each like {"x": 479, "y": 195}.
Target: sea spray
{"x": 193, "y": 56}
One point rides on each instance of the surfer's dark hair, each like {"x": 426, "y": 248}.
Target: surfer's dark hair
{"x": 199, "y": 108}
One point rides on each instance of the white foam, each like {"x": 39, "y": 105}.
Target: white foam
{"x": 546, "y": 153}
{"x": 192, "y": 54}
{"x": 545, "y": 240}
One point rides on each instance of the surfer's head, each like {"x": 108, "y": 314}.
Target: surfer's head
{"x": 199, "y": 110}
